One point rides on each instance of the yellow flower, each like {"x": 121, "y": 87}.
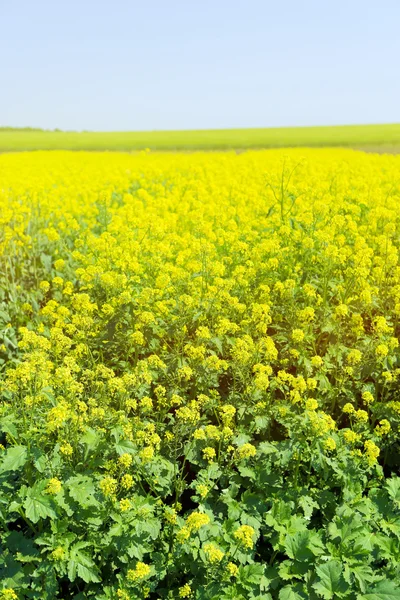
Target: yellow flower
{"x": 351, "y": 437}
{"x": 146, "y": 454}
{"x": 383, "y": 428}
{"x": 371, "y": 452}
{"x": 44, "y": 286}
{"x": 213, "y": 553}
{"x": 170, "y": 515}
{"x": 127, "y": 481}
{"x": 245, "y": 534}
{"x": 58, "y": 553}
{"x": 341, "y": 310}
{"x": 388, "y": 376}
{"x": 137, "y": 338}
{"x": 124, "y": 504}
{"x": 146, "y": 404}
{"x": 354, "y": 357}
{"x": 311, "y": 404}
{"x": 361, "y": 415}
{"x": 381, "y": 350}
{"x": 125, "y": 460}
{"x": 227, "y": 412}
{"x": 8, "y": 594}
{"x": 185, "y": 591}
{"x": 59, "y": 264}
{"x": 330, "y": 444}
{"x": 246, "y": 451}
{"x": 183, "y": 535}
{"x": 209, "y": 454}
{"x": 196, "y": 520}
{"x": 232, "y": 569}
{"x": 298, "y": 335}
{"x": 54, "y": 486}
{"x": 108, "y": 486}
{"x": 199, "y": 434}
{"x": 140, "y": 572}
{"x": 312, "y": 383}
{"x": 367, "y": 397}
{"x": 202, "y": 490}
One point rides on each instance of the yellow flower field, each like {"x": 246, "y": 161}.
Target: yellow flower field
{"x": 199, "y": 375}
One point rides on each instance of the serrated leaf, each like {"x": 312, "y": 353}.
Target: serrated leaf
{"x": 81, "y": 488}
{"x": 81, "y": 564}
{"x": 39, "y": 460}
{"x": 331, "y": 581}
{"x": 38, "y": 504}
{"x": 251, "y": 575}
{"x": 7, "y": 425}
{"x": 308, "y": 505}
{"x": 288, "y": 593}
{"x": 218, "y": 343}
{"x": 384, "y": 590}
{"x": 267, "y": 448}
{"x": 362, "y": 573}
{"x": 296, "y": 546}
{"x": 91, "y": 439}
{"x": 125, "y": 446}
{"x": 393, "y": 487}
{"x": 14, "y": 458}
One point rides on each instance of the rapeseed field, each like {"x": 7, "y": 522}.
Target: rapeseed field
{"x": 200, "y": 374}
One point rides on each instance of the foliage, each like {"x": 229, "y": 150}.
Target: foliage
{"x": 199, "y": 376}
{"x": 385, "y": 137}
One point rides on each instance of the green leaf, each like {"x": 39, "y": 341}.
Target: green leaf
{"x": 81, "y": 488}
{"x": 81, "y": 564}
{"x": 331, "y": 582}
{"x": 362, "y": 573}
{"x": 308, "y": 505}
{"x": 393, "y": 487}
{"x": 7, "y": 424}
{"x": 40, "y": 460}
{"x": 125, "y": 446}
{"x": 14, "y": 458}
{"x": 297, "y": 546}
{"x": 91, "y": 439}
{"x": 288, "y": 593}
{"x": 251, "y": 575}
{"x": 384, "y": 590}
{"x": 267, "y": 448}
{"x": 39, "y": 505}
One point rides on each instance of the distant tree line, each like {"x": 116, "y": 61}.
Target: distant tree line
{"x": 26, "y": 129}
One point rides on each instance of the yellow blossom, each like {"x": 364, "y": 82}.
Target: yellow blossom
{"x": 54, "y": 486}
{"x": 232, "y": 569}
{"x": 383, "y": 428}
{"x": 140, "y": 572}
{"x": 185, "y": 591}
{"x": 245, "y": 535}
{"x": 246, "y": 451}
{"x": 371, "y": 452}
{"x": 209, "y": 454}
{"x": 213, "y": 553}
{"x": 124, "y": 504}
{"x": 330, "y": 444}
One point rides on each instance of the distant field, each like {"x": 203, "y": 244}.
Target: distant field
{"x": 380, "y": 138}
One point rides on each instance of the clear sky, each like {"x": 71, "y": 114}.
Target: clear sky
{"x": 187, "y": 64}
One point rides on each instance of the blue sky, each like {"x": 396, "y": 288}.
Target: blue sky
{"x": 173, "y": 64}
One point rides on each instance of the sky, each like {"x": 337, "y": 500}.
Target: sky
{"x": 205, "y": 64}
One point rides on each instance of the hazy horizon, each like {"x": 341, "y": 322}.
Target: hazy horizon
{"x": 57, "y": 129}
